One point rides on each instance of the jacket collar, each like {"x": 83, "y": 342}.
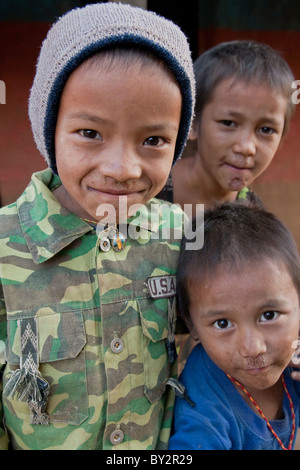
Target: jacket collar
{"x": 48, "y": 227}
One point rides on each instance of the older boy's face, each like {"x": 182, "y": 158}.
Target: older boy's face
{"x": 238, "y": 135}
{"x": 115, "y": 136}
{"x": 247, "y": 322}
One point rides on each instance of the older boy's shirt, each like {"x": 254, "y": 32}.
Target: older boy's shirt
{"x": 93, "y": 325}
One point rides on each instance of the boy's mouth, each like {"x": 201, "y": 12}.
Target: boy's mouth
{"x": 256, "y": 365}
{"x": 238, "y": 167}
{"x": 114, "y": 192}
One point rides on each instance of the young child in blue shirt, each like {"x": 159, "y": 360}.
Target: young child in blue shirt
{"x": 239, "y": 295}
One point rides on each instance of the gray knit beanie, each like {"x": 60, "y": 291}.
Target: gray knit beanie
{"x": 81, "y": 33}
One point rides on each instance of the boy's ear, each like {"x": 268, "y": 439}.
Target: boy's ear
{"x": 193, "y": 333}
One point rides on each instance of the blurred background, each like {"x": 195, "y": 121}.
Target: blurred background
{"x": 24, "y": 25}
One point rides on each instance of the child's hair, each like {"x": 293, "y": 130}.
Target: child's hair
{"x": 248, "y": 61}
{"x": 83, "y": 32}
{"x": 235, "y": 235}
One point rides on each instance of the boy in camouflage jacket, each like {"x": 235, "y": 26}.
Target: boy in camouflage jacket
{"x": 87, "y": 282}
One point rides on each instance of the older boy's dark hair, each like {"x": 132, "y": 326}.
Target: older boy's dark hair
{"x": 249, "y": 61}
{"x": 235, "y": 234}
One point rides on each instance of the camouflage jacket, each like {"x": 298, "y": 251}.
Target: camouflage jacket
{"x": 83, "y": 331}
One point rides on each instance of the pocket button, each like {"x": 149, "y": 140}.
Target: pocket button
{"x": 116, "y": 437}
{"x": 117, "y": 345}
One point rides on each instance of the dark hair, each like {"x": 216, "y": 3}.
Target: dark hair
{"x": 249, "y": 61}
{"x": 234, "y": 234}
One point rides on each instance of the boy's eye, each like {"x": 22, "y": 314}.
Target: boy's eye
{"x": 222, "y": 324}
{"x": 227, "y": 123}
{"x": 90, "y": 134}
{"x": 269, "y": 316}
{"x": 154, "y": 141}
{"x": 267, "y": 130}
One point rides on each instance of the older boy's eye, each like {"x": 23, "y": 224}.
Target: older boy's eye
{"x": 154, "y": 141}
{"x": 267, "y": 130}
{"x": 222, "y": 324}
{"x": 90, "y": 134}
{"x": 269, "y": 316}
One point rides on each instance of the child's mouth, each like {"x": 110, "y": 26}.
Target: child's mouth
{"x": 238, "y": 168}
{"x": 256, "y": 365}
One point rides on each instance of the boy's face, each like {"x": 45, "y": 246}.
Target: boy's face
{"x": 238, "y": 134}
{"x": 247, "y": 321}
{"x": 115, "y": 135}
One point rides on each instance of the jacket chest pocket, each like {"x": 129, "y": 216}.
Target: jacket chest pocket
{"x": 154, "y": 320}
{"x": 57, "y": 349}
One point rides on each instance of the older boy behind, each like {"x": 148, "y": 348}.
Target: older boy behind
{"x": 242, "y": 113}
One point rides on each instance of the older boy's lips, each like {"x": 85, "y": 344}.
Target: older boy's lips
{"x": 237, "y": 168}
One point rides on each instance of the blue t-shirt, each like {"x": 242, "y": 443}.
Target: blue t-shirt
{"x": 221, "y": 419}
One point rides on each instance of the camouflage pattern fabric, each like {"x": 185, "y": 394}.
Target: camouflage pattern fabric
{"x": 101, "y": 337}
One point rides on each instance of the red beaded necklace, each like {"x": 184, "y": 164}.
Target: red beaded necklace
{"x": 264, "y": 417}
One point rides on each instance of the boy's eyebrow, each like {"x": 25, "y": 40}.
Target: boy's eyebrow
{"x": 162, "y": 126}
{"x": 85, "y": 117}
{"x": 214, "y": 313}
{"x": 272, "y": 304}
{"x": 267, "y": 119}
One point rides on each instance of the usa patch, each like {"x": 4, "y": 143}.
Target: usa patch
{"x": 161, "y": 286}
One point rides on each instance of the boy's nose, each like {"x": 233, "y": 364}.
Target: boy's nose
{"x": 120, "y": 164}
{"x": 246, "y": 144}
{"x": 252, "y": 344}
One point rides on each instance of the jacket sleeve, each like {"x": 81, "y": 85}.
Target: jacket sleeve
{"x": 3, "y": 336}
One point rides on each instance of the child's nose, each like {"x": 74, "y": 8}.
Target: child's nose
{"x": 120, "y": 163}
{"x": 246, "y": 144}
{"x": 252, "y": 344}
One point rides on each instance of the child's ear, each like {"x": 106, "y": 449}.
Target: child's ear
{"x": 193, "y": 333}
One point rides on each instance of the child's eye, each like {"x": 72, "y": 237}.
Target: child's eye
{"x": 154, "y": 141}
{"x": 267, "y": 130}
{"x": 222, "y": 324}
{"x": 227, "y": 123}
{"x": 269, "y": 316}
{"x": 90, "y": 134}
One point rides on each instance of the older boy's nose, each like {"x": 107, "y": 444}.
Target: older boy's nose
{"x": 246, "y": 145}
